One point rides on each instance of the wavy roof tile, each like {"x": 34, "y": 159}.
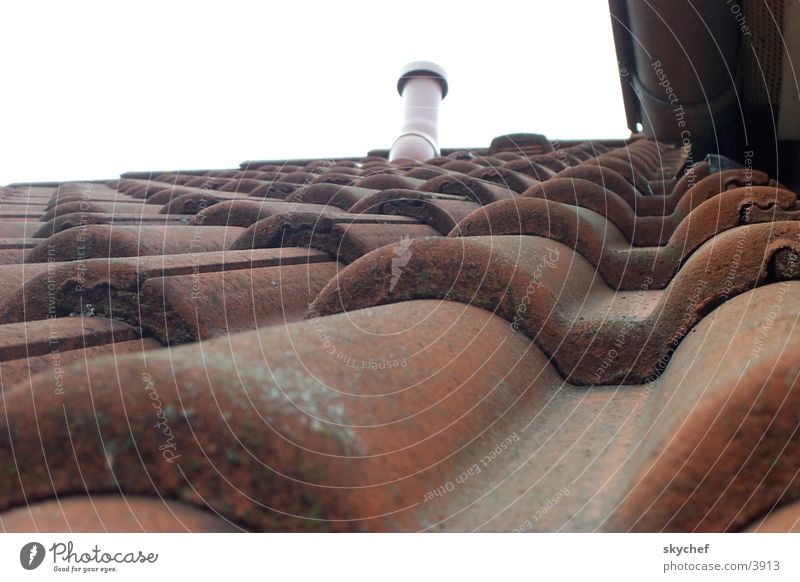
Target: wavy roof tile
{"x": 600, "y": 329}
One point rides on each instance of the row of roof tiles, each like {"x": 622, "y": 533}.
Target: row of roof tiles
{"x": 568, "y": 309}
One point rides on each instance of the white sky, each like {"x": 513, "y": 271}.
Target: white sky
{"x": 93, "y": 89}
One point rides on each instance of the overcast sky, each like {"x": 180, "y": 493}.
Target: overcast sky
{"x": 93, "y": 89}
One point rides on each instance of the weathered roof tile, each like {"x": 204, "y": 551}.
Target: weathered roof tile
{"x": 589, "y": 310}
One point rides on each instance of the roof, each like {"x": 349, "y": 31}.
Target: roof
{"x": 530, "y": 336}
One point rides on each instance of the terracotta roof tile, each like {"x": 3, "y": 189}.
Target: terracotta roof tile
{"x": 525, "y": 143}
{"x": 58, "y": 356}
{"x": 89, "y": 207}
{"x": 461, "y": 166}
{"x": 82, "y": 219}
{"x": 345, "y": 236}
{"x": 480, "y": 191}
{"x": 754, "y": 390}
{"x": 187, "y": 308}
{"x": 13, "y": 256}
{"x": 575, "y": 318}
{"x": 18, "y": 228}
{"x": 516, "y": 181}
{"x": 384, "y": 181}
{"x": 399, "y": 346}
{"x": 12, "y": 277}
{"x": 441, "y": 211}
{"x": 34, "y": 338}
{"x": 275, "y": 189}
{"x": 72, "y": 288}
{"x": 97, "y": 241}
{"x": 190, "y": 203}
{"x": 647, "y": 229}
{"x": 147, "y": 189}
{"x": 404, "y": 445}
{"x": 784, "y": 519}
{"x": 19, "y": 243}
{"x": 285, "y": 473}
{"x": 609, "y": 249}
{"x": 112, "y": 515}
{"x": 331, "y": 194}
{"x": 22, "y": 214}
{"x": 245, "y": 212}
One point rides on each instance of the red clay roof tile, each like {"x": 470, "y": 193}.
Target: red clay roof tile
{"x": 72, "y": 288}
{"x": 471, "y": 188}
{"x": 651, "y": 282}
{"x": 34, "y": 338}
{"x": 574, "y": 317}
{"x": 97, "y": 241}
{"x": 621, "y": 265}
{"x": 81, "y": 219}
{"x": 58, "y": 356}
{"x": 110, "y": 514}
{"x": 275, "y": 189}
{"x": 345, "y": 236}
{"x": 383, "y": 181}
{"x": 785, "y": 519}
{"x": 369, "y": 455}
{"x": 331, "y": 194}
{"x": 188, "y": 308}
{"x": 441, "y": 211}
{"x": 689, "y": 480}
{"x": 246, "y": 212}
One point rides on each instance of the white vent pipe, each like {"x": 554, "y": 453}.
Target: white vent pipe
{"x": 422, "y": 85}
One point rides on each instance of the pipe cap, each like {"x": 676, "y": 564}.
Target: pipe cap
{"x": 422, "y": 69}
